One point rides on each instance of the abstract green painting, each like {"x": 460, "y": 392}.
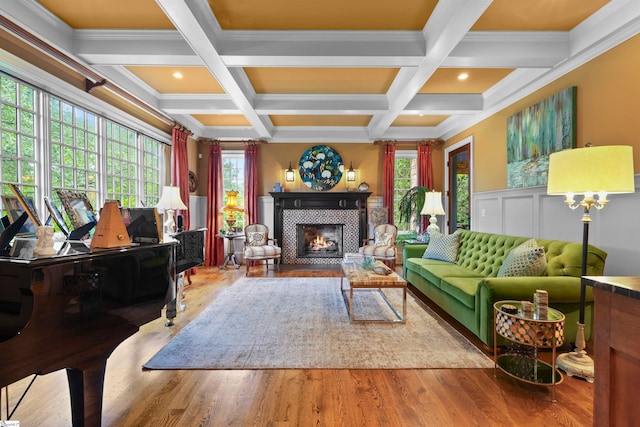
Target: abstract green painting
{"x": 536, "y": 132}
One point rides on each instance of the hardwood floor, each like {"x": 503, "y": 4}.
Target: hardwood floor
{"x": 313, "y": 397}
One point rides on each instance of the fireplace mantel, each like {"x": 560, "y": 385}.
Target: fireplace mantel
{"x": 350, "y": 200}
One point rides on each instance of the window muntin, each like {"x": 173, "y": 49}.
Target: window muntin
{"x": 122, "y": 158}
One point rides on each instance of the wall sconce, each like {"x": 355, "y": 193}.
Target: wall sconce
{"x": 351, "y": 174}
{"x": 290, "y": 174}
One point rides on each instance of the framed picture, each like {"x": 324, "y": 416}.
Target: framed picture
{"x": 23, "y": 248}
{"x": 536, "y": 132}
{"x": 78, "y": 207}
{"x": 143, "y": 224}
{"x": 27, "y": 204}
{"x": 14, "y": 209}
{"x": 56, "y": 215}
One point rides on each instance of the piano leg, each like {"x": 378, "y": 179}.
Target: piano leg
{"x": 86, "y": 387}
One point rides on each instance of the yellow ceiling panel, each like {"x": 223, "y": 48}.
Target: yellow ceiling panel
{"x": 319, "y": 120}
{"x": 222, "y": 119}
{"x": 445, "y": 80}
{"x": 324, "y": 15}
{"x": 407, "y": 120}
{"x": 539, "y": 15}
{"x": 112, "y": 14}
{"x": 321, "y": 80}
{"x": 161, "y": 78}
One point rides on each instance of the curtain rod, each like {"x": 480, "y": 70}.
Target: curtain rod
{"x": 436, "y": 142}
{"x": 92, "y": 79}
{"x": 235, "y": 141}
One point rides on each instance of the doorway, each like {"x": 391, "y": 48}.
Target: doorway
{"x": 459, "y": 184}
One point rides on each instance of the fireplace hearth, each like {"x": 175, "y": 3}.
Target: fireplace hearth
{"x": 319, "y": 240}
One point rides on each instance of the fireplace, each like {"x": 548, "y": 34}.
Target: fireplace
{"x": 338, "y": 216}
{"x": 319, "y": 240}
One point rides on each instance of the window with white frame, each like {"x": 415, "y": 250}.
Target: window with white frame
{"x": 18, "y": 134}
{"x": 48, "y": 143}
{"x": 73, "y": 157}
{"x": 405, "y": 177}
{"x": 233, "y": 178}
{"x": 122, "y": 164}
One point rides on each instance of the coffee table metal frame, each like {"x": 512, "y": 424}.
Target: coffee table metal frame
{"x": 359, "y": 280}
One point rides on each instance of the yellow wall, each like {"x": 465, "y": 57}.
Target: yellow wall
{"x": 607, "y": 113}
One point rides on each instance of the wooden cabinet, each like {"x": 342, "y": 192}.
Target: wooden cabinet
{"x": 616, "y": 350}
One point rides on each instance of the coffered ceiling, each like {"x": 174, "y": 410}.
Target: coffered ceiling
{"x": 336, "y": 70}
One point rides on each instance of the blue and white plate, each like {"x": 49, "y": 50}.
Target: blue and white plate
{"x": 321, "y": 167}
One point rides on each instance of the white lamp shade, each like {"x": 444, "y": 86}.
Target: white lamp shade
{"x": 591, "y": 170}
{"x": 432, "y": 203}
{"x": 171, "y": 199}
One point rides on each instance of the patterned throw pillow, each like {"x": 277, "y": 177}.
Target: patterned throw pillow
{"x": 256, "y": 238}
{"x": 383, "y": 239}
{"x": 443, "y": 248}
{"x": 528, "y": 259}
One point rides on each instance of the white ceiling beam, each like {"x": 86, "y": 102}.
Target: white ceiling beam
{"x": 196, "y": 23}
{"x": 446, "y": 27}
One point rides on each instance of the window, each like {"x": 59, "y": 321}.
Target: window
{"x": 48, "y": 143}
{"x": 152, "y": 160}
{"x": 18, "y": 133}
{"x": 122, "y": 153}
{"x": 74, "y": 149}
{"x": 233, "y": 178}
{"x": 405, "y": 177}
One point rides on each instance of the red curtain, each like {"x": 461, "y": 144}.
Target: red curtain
{"x": 425, "y": 176}
{"x": 389, "y": 161}
{"x": 214, "y": 250}
{"x": 251, "y": 183}
{"x": 180, "y": 169}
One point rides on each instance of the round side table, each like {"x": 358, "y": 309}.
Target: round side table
{"x": 528, "y": 333}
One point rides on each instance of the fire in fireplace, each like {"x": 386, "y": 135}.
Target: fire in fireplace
{"x": 319, "y": 240}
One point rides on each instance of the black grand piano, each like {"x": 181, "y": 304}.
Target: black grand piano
{"x": 71, "y": 310}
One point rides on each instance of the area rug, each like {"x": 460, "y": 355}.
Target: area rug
{"x": 279, "y": 323}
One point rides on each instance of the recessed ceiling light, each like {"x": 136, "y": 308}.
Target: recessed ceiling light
{"x": 463, "y": 76}
{"x": 177, "y": 75}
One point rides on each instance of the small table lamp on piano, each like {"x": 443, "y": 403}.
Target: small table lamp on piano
{"x": 169, "y": 202}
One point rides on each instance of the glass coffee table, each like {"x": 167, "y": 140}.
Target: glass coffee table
{"x": 360, "y": 279}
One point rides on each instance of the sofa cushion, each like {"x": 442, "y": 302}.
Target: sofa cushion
{"x": 443, "y": 248}
{"x": 435, "y": 273}
{"x": 256, "y": 238}
{"x": 462, "y": 289}
{"x": 528, "y": 259}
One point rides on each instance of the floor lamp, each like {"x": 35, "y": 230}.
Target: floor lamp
{"x": 593, "y": 172}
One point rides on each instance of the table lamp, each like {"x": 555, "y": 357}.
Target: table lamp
{"x": 432, "y": 207}
{"x": 593, "y": 172}
{"x": 169, "y": 202}
{"x": 231, "y": 208}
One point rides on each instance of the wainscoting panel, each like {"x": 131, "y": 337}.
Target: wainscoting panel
{"x": 530, "y": 212}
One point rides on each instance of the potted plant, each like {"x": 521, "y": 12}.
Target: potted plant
{"x": 411, "y": 205}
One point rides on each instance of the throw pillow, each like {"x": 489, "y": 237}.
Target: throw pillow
{"x": 256, "y": 238}
{"x": 383, "y": 239}
{"x": 443, "y": 248}
{"x": 528, "y": 259}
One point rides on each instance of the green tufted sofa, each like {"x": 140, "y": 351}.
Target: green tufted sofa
{"x": 468, "y": 288}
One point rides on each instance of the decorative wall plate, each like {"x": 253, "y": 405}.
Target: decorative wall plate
{"x": 321, "y": 167}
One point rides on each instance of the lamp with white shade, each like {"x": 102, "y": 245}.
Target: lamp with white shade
{"x": 594, "y": 173}
{"x": 432, "y": 207}
{"x": 169, "y": 202}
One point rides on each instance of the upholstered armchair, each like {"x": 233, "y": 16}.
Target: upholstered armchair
{"x": 383, "y": 245}
{"x": 259, "y": 247}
